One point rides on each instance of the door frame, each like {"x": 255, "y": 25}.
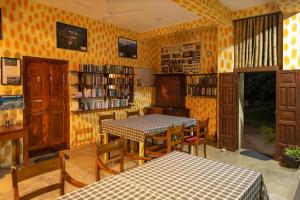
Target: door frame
{"x": 238, "y": 72}
{"x": 26, "y": 60}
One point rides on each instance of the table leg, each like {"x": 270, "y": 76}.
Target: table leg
{"x": 105, "y": 141}
{"x": 14, "y": 152}
{"x": 141, "y": 152}
{"x": 25, "y": 150}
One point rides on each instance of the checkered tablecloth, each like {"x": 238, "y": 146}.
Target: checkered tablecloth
{"x": 138, "y": 128}
{"x": 177, "y": 176}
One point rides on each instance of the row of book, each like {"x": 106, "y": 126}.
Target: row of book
{"x": 94, "y": 92}
{"x": 120, "y": 81}
{"x": 196, "y": 90}
{"x": 120, "y": 92}
{"x": 93, "y": 79}
{"x": 111, "y": 69}
{"x": 103, "y": 104}
{"x": 202, "y": 80}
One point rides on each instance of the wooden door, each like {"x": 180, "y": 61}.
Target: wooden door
{"x": 58, "y": 103}
{"x": 287, "y": 110}
{"x": 36, "y": 99}
{"x": 228, "y": 111}
{"x": 46, "y": 103}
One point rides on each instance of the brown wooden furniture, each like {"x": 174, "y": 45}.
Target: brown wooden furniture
{"x": 24, "y": 173}
{"x": 228, "y": 111}
{"x": 14, "y": 133}
{"x": 104, "y": 81}
{"x": 46, "y": 103}
{"x": 165, "y": 143}
{"x": 135, "y": 113}
{"x": 202, "y": 85}
{"x": 179, "y": 112}
{"x": 102, "y": 118}
{"x": 196, "y": 135}
{"x": 170, "y": 90}
{"x": 118, "y": 145}
{"x": 153, "y": 110}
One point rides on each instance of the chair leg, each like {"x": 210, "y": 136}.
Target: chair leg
{"x": 204, "y": 149}
{"x": 196, "y": 149}
{"x": 189, "y": 149}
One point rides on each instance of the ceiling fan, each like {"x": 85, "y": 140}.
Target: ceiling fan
{"x": 110, "y": 13}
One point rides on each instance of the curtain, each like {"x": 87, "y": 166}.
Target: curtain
{"x": 258, "y": 41}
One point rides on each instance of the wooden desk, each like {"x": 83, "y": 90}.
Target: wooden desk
{"x": 14, "y": 133}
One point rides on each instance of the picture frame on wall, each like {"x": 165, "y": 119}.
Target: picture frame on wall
{"x": 127, "y": 48}
{"x": 71, "y": 37}
{"x": 10, "y": 71}
{"x": 11, "y": 102}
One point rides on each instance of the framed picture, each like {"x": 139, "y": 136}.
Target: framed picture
{"x": 71, "y": 37}
{"x": 10, "y": 71}
{"x": 11, "y": 102}
{"x": 127, "y": 48}
{"x": 0, "y": 24}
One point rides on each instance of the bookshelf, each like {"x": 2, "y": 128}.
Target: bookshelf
{"x": 103, "y": 87}
{"x": 201, "y": 85}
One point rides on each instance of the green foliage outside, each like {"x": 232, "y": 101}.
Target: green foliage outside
{"x": 260, "y": 103}
{"x": 293, "y": 152}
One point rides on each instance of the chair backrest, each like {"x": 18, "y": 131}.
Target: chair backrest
{"x": 132, "y": 113}
{"x": 117, "y": 145}
{"x": 111, "y": 116}
{"x": 154, "y": 110}
{"x": 202, "y": 127}
{"x": 27, "y": 172}
{"x": 175, "y": 136}
{"x": 31, "y": 171}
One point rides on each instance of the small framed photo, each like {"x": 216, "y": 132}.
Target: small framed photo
{"x": 127, "y": 48}
{"x": 71, "y": 37}
{"x": 10, "y": 71}
{"x": 11, "y": 102}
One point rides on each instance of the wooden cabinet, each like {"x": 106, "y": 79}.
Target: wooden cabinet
{"x": 47, "y": 102}
{"x": 170, "y": 90}
{"x": 170, "y": 95}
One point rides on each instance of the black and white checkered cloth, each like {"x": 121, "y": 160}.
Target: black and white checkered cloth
{"x": 138, "y": 128}
{"x": 177, "y": 176}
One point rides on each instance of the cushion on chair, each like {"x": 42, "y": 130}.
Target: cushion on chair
{"x": 190, "y": 138}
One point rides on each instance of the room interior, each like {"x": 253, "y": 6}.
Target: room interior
{"x": 214, "y": 30}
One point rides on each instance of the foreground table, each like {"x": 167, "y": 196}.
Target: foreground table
{"x": 139, "y": 128}
{"x": 177, "y": 176}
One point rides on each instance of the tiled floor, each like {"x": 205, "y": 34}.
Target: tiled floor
{"x": 281, "y": 182}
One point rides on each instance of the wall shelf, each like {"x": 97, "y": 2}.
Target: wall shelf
{"x": 100, "y": 90}
{"x": 201, "y": 85}
{"x": 99, "y": 110}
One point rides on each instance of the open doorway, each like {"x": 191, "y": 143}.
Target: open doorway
{"x": 257, "y": 112}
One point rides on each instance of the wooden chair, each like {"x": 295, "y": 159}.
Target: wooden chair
{"x": 118, "y": 145}
{"x": 148, "y": 111}
{"x": 168, "y": 142}
{"x": 196, "y": 135}
{"x": 24, "y": 173}
{"x": 135, "y": 113}
{"x": 104, "y": 118}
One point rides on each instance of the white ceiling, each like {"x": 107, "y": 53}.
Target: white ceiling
{"x": 235, "y": 5}
{"x": 137, "y": 15}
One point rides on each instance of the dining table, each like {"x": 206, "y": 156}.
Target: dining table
{"x": 177, "y": 175}
{"x": 139, "y": 128}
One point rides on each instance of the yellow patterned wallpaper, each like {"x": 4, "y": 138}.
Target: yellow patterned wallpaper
{"x": 29, "y": 30}
{"x": 289, "y": 6}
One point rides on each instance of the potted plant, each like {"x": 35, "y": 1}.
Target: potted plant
{"x": 291, "y": 157}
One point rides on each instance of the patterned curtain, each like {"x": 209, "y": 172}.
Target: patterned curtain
{"x": 258, "y": 41}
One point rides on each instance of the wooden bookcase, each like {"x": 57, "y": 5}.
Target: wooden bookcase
{"x": 103, "y": 87}
{"x": 202, "y": 85}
